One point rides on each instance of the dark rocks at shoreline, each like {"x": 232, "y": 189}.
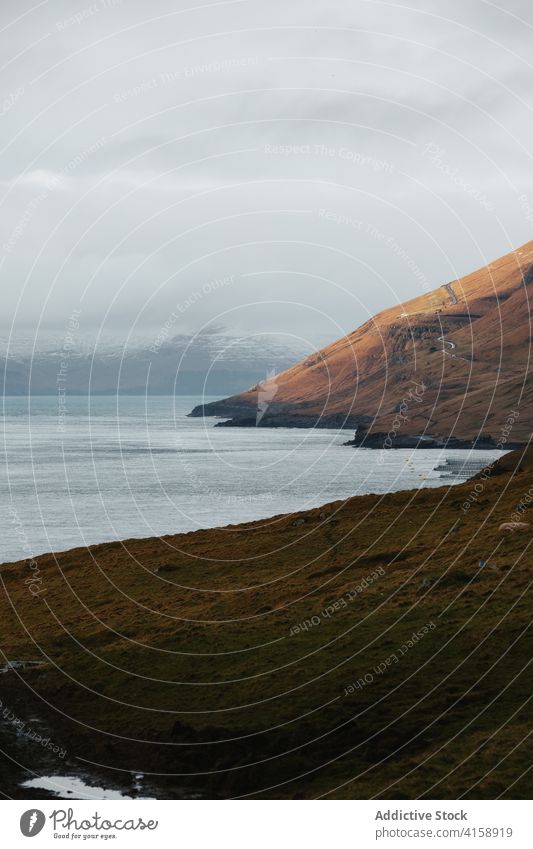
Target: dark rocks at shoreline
{"x": 275, "y": 417}
{"x": 382, "y": 441}
{"x": 334, "y": 422}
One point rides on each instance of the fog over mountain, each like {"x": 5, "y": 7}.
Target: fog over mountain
{"x": 327, "y": 159}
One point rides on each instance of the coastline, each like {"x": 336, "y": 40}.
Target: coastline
{"x": 345, "y": 586}
{"x": 214, "y": 476}
{"x": 241, "y": 417}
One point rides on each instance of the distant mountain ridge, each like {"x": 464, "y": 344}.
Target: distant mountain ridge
{"x": 451, "y": 362}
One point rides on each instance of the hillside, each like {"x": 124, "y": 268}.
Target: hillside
{"x": 463, "y": 349}
{"x": 208, "y": 363}
{"x": 377, "y": 647}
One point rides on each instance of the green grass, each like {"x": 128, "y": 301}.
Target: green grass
{"x": 203, "y": 653}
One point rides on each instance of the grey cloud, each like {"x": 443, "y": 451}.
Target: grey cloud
{"x": 175, "y": 147}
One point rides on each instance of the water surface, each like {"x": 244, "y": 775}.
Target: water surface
{"x": 138, "y": 467}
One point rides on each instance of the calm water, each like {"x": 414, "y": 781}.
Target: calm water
{"x": 139, "y": 467}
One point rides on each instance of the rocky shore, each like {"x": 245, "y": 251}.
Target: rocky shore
{"x": 232, "y": 415}
{"x": 386, "y": 441}
{"x": 277, "y": 679}
{"x": 276, "y": 416}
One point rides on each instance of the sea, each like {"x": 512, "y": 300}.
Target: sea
{"x": 115, "y": 468}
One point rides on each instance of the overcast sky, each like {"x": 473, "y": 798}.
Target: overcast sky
{"x": 322, "y": 158}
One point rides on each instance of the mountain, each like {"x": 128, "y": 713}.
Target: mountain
{"x": 453, "y": 362}
{"x": 377, "y": 647}
{"x": 210, "y": 363}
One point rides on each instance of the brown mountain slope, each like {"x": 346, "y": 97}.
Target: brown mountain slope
{"x": 455, "y": 361}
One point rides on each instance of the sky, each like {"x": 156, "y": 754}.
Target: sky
{"x": 263, "y": 166}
